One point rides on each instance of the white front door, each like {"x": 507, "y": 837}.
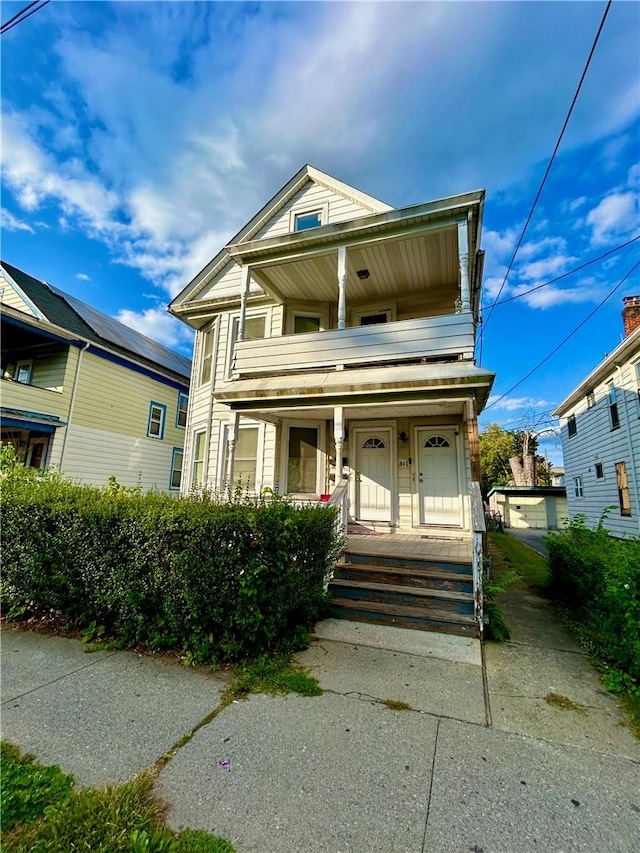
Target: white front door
{"x": 438, "y": 487}
{"x": 373, "y": 474}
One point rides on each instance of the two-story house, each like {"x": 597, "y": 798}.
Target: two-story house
{"x": 334, "y": 353}
{"x": 600, "y": 431}
{"x": 85, "y": 393}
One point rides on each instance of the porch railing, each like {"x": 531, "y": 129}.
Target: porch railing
{"x": 339, "y": 498}
{"x": 448, "y": 335}
{"x": 478, "y": 528}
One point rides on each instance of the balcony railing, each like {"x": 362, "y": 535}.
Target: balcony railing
{"x": 451, "y": 335}
{"x": 19, "y": 395}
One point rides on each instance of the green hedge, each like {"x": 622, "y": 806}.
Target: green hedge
{"x": 217, "y": 579}
{"x": 598, "y": 577}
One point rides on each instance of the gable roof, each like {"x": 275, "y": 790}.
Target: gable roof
{"x": 63, "y": 310}
{"x": 306, "y": 174}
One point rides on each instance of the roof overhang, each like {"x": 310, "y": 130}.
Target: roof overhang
{"x": 32, "y": 421}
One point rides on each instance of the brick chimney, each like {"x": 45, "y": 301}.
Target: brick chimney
{"x": 631, "y": 314}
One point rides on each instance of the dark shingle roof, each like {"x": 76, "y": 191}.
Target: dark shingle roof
{"x": 81, "y": 319}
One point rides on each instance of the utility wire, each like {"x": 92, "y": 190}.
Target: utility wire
{"x": 564, "y": 275}
{"x": 22, "y": 15}
{"x": 564, "y": 341}
{"x": 548, "y": 169}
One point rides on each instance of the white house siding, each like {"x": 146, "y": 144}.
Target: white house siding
{"x": 94, "y": 455}
{"x": 312, "y": 197}
{"x": 11, "y": 298}
{"x": 594, "y": 442}
{"x": 226, "y": 284}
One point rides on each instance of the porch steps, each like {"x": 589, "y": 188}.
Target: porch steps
{"x": 407, "y": 592}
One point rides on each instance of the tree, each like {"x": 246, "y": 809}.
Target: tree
{"x": 496, "y": 448}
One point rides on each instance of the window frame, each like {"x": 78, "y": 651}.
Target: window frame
{"x": 20, "y": 365}
{"x": 174, "y": 454}
{"x": 578, "y": 487}
{"x": 625, "y": 507}
{"x": 591, "y": 399}
{"x": 196, "y": 461}
{"x": 179, "y": 409}
{"x": 307, "y": 210}
{"x": 234, "y": 325}
{"x": 614, "y": 413}
{"x": 599, "y": 470}
{"x": 206, "y": 356}
{"x": 163, "y": 418}
{"x": 572, "y": 426}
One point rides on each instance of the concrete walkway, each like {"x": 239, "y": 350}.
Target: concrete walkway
{"x": 484, "y": 759}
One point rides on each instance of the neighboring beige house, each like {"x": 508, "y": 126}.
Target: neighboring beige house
{"x": 600, "y": 421}
{"x": 530, "y": 507}
{"x": 85, "y": 393}
{"x": 334, "y": 352}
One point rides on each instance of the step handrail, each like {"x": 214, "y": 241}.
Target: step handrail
{"x": 479, "y": 532}
{"x": 339, "y": 498}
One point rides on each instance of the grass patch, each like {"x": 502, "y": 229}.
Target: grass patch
{"x": 513, "y": 555}
{"x": 395, "y": 705}
{"x": 42, "y": 812}
{"x": 273, "y": 675}
{"x": 556, "y": 700}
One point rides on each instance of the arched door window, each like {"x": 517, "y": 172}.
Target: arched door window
{"x": 437, "y": 441}
{"x": 373, "y": 443}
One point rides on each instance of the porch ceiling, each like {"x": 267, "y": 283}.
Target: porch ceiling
{"x": 449, "y": 410}
{"x": 399, "y": 265}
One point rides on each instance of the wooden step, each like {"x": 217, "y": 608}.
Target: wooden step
{"x": 409, "y": 593}
{"x": 405, "y": 617}
{"x": 391, "y": 560}
{"x": 405, "y": 576}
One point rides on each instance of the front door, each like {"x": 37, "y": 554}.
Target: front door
{"x": 438, "y": 487}
{"x": 373, "y": 474}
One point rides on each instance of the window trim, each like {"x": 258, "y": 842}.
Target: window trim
{"x": 578, "y": 487}
{"x": 208, "y": 334}
{"x": 24, "y": 362}
{"x": 195, "y": 461}
{"x": 307, "y": 210}
{"x": 614, "y": 413}
{"x": 591, "y": 399}
{"x": 163, "y": 418}
{"x": 572, "y": 426}
{"x": 599, "y": 466}
{"x": 172, "y": 470}
{"x": 313, "y": 315}
{"x": 181, "y": 396}
{"x": 234, "y": 323}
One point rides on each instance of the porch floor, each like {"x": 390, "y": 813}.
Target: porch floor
{"x": 426, "y": 547}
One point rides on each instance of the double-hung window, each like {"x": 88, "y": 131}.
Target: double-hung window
{"x": 199, "y": 446}
{"x": 572, "y": 427}
{"x": 613, "y": 406}
{"x": 181, "y": 414}
{"x": 176, "y": 468}
{"x": 155, "y": 424}
{"x": 206, "y": 356}
{"x": 577, "y": 487}
{"x": 254, "y": 328}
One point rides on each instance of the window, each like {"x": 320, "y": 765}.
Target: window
{"x": 176, "y": 468}
{"x": 23, "y": 372}
{"x": 613, "y": 406}
{"x": 591, "y": 399}
{"x": 245, "y": 457}
{"x": 571, "y": 425}
{"x": 155, "y": 426}
{"x": 310, "y": 219}
{"x": 437, "y": 441}
{"x": 303, "y": 323}
{"x": 197, "y": 478}
{"x": 373, "y": 443}
{"x": 577, "y": 487}
{"x": 302, "y": 464}
{"x": 599, "y": 471}
{"x": 624, "y": 497}
{"x": 206, "y": 359}
{"x": 254, "y": 328}
{"x": 181, "y": 414}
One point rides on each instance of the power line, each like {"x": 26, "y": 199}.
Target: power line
{"x": 22, "y": 15}
{"x": 564, "y": 275}
{"x": 548, "y": 169}
{"x": 568, "y": 337}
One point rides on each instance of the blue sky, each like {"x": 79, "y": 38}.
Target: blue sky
{"x": 139, "y": 136}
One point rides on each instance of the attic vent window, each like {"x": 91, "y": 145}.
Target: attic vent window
{"x": 304, "y": 221}
{"x": 363, "y": 274}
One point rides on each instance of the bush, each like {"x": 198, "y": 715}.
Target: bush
{"x": 598, "y": 577}
{"x": 215, "y": 578}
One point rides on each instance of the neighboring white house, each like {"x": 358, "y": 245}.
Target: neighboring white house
{"x": 335, "y": 336}
{"x": 600, "y": 423}
{"x": 86, "y": 394}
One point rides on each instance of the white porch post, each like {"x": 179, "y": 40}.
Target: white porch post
{"x": 342, "y": 281}
{"x": 338, "y": 436}
{"x": 244, "y": 294}
{"x": 232, "y": 434}
{"x": 463, "y": 254}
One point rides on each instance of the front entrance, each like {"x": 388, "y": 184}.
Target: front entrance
{"x": 438, "y": 486}
{"x": 373, "y": 486}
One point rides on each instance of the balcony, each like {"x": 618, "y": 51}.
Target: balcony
{"x": 31, "y": 398}
{"x": 448, "y": 337}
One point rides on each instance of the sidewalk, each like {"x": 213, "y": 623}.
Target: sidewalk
{"x": 481, "y": 761}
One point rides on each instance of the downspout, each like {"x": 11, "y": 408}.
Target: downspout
{"x": 72, "y": 402}
{"x": 634, "y": 464}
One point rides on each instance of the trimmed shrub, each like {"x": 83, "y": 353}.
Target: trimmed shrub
{"x": 598, "y": 577}
{"x": 215, "y": 578}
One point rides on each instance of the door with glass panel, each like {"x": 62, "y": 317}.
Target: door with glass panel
{"x": 302, "y": 460}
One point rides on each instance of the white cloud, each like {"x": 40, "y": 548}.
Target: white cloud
{"x": 615, "y": 217}
{"x": 156, "y": 323}
{"x": 83, "y": 276}
{"x": 546, "y": 267}
{"x": 11, "y": 223}
{"x": 517, "y": 404}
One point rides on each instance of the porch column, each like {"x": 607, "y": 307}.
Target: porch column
{"x": 463, "y": 255}
{"x": 232, "y": 434}
{"x": 338, "y": 436}
{"x": 244, "y": 294}
{"x": 474, "y": 439}
{"x": 342, "y": 281}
